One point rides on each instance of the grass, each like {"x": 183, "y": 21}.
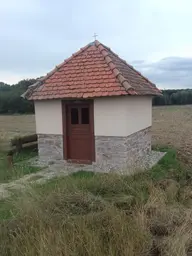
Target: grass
{"x": 169, "y": 166}
{"x": 7, "y": 175}
{"x": 20, "y": 168}
{"x": 24, "y": 155}
{"x": 103, "y": 214}
{"x": 92, "y": 214}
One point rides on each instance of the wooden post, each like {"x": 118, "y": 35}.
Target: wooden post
{"x": 18, "y": 146}
{"x": 10, "y": 159}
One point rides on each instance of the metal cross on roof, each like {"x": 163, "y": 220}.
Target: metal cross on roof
{"x": 95, "y": 36}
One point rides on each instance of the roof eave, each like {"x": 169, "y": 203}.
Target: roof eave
{"x": 28, "y": 93}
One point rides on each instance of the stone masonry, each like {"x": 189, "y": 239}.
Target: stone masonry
{"x": 113, "y": 153}
{"x": 50, "y": 147}
{"x": 122, "y": 152}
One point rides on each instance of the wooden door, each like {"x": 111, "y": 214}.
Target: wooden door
{"x": 79, "y": 133}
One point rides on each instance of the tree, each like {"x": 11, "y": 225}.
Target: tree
{"x": 10, "y": 97}
{"x": 174, "y": 97}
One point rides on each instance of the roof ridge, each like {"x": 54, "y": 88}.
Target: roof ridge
{"x": 123, "y": 81}
{"x": 130, "y": 66}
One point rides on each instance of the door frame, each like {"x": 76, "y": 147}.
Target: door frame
{"x": 64, "y": 105}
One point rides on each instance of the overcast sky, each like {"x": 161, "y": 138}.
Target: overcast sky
{"x": 152, "y": 35}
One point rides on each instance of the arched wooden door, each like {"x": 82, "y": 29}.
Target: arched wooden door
{"x": 80, "y": 135}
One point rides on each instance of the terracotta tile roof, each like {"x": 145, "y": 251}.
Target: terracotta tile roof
{"x": 94, "y": 71}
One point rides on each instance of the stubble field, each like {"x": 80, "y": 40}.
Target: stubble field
{"x": 172, "y": 126}
{"x": 14, "y": 125}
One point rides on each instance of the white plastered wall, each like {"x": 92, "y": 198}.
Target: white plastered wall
{"x": 122, "y": 116}
{"x": 113, "y": 116}
{"x": 48, "y": 116}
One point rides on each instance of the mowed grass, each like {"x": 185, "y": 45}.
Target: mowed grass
{"x": 92, "y": 214}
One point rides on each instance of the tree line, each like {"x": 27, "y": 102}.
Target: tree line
{"x": 174, "y": 97}
{"x": 12, "y": 103}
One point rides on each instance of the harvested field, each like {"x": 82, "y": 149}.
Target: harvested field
{"x": 13, "y": 125}
{"x": 173, "y": 126}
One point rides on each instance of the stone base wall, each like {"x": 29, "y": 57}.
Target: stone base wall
{"x": 122, "y": 152}
{"x": 50, "y": 147}
{"x": 112, "y": 153}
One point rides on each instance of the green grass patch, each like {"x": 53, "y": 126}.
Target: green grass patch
{"x": 24, "y": 155}
{"x": 18, "y": 171}
{"x": 83, "y": 174}
{"x": 21, "y": 167}
{"x": 7, "y": 209}
{"x": 169, "y": 167}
